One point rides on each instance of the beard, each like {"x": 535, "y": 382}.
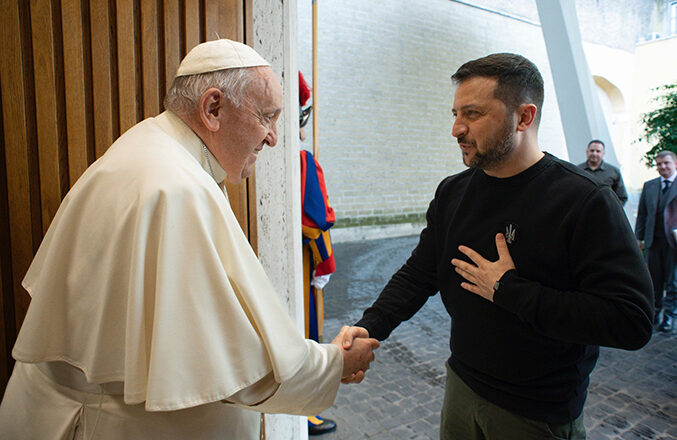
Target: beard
{"x": 498, "y": 148}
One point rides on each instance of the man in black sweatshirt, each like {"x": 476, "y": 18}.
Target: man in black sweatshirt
{"x": 536, "y": 264}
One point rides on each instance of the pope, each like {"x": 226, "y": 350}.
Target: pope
{"x": 151, "y": 316}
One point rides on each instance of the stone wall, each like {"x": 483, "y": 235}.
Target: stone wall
{"x": 385, "y": 93}
{"x": 278, "y": 187}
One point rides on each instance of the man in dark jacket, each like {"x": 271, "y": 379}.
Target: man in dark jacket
{"x": 602, "y": 171}
{"x": 536, "y": 264}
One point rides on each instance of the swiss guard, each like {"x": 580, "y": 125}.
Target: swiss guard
{"x": 318, "y": 257}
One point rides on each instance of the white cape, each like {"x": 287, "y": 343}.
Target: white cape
{"x": 145, "y": 277}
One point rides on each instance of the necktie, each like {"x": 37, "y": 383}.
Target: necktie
{"x": 666, "y": 186}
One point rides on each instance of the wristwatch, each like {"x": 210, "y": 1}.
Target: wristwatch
{"x": 497, "y": 285}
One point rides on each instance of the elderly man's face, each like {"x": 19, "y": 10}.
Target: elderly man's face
{"x": 246, "y": 130}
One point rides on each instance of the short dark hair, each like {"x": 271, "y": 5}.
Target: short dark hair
{"x": 596, "y": 141}
{"x": 518, "y": 79}
{"x": 664, "y": 153}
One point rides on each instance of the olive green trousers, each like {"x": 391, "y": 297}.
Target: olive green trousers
{"x": 467, "y": 416}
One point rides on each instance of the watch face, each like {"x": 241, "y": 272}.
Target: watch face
{"x": 497, "y": 285}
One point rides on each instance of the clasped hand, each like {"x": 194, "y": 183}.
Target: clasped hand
{"x": 358, "y": 352}
{"x": 481, "y": 276}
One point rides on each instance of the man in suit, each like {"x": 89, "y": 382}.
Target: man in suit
{"x": 602, "y": 171}
{"x": 656, "y": 220}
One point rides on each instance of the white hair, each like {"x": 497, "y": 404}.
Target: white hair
{"x": 183, "y": 97}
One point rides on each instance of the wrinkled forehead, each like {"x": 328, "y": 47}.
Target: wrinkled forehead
{"x": 267, "y": 91}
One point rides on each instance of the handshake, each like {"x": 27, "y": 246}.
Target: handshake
{"x": 358, "y": 352}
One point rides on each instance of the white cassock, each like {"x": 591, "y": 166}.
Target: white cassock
{"x": 149, "y": 309}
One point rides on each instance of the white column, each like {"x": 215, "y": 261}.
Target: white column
{"x": 579, "y": 106}
{"x": 278, "y": 184}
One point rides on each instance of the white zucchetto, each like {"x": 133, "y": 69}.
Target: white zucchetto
{"x": 218, "y": 55}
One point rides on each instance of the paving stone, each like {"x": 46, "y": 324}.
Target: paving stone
{"x": 657, "y": 424}
{"x": 434, "y": 419}
{"x": 599, "y": 411}
{"x": 643, "y": 431}
{"x": 644, "y": 406}
{"x": 670, "y": 410}
{"x": 617, "y": 421}
{"x": 671, "y": 419}
{"x": 420, "y": 412}
{"x": 630, "y": 414}
{"x": 403, "y": 432}
{"x": 617, "y": 401}
{"x": 589, "y": 423}
{"x": 597, "y": 436}
{"x": 606, "y": 429}
{"x": 603, "y": 390}
{"x": 632, "y": 435}
{"x": 392, "y": 422}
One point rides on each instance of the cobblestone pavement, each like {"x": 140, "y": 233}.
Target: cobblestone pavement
{"x": 633, "y": 395}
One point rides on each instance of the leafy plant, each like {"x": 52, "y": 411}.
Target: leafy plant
{"x": 660, "y": 125}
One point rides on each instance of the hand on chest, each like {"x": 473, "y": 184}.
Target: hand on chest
{"x": 535, "y": 235}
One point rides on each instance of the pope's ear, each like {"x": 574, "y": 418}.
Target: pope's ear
{"x": 526, "y": 114}
{"x": 210, "y": 108}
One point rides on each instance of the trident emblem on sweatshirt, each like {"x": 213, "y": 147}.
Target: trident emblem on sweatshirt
{"x": 510, "y": 232}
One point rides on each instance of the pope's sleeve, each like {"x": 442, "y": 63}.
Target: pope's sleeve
{"x": 312, "y": 389}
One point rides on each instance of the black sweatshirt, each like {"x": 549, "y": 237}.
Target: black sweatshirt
{"x": 580, "y": 282}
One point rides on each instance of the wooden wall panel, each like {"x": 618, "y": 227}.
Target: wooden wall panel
{"x": 74, "y": 75}
{"x": 151, "y": 66}
{"x": 128, "y": 79}
{"x": 47, "y": 97}
{"x": 211, "y": 19}
{"x": 102, "y": 78}
{"x": 7, "y": 320}
{"x": 172, "y": 40}
{"x": 14, "y": 75}
{"x": 230, "y": 20}
{"x": 76, "y": 88}
{"x": 5, "y": 354}
{"x": 222, "y": 20}
{"x": 192, "y": 25}
{"x": 19, "y": 141}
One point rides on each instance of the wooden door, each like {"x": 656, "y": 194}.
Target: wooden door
{"x": 74, "y": 75}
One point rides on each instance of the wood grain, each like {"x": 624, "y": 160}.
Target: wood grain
{"x": 74, "y": 75}
{"x": 102, "y": 78}
{"x": 46, "y": 111}
{"x": 127, "y": 64}
{"x": 193, "y": 29}
{"x": 172, "y": 41}
{"x": 14, "y": 78}
{"x": 77, "y": 125}
{"x": 150, "y": 60}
